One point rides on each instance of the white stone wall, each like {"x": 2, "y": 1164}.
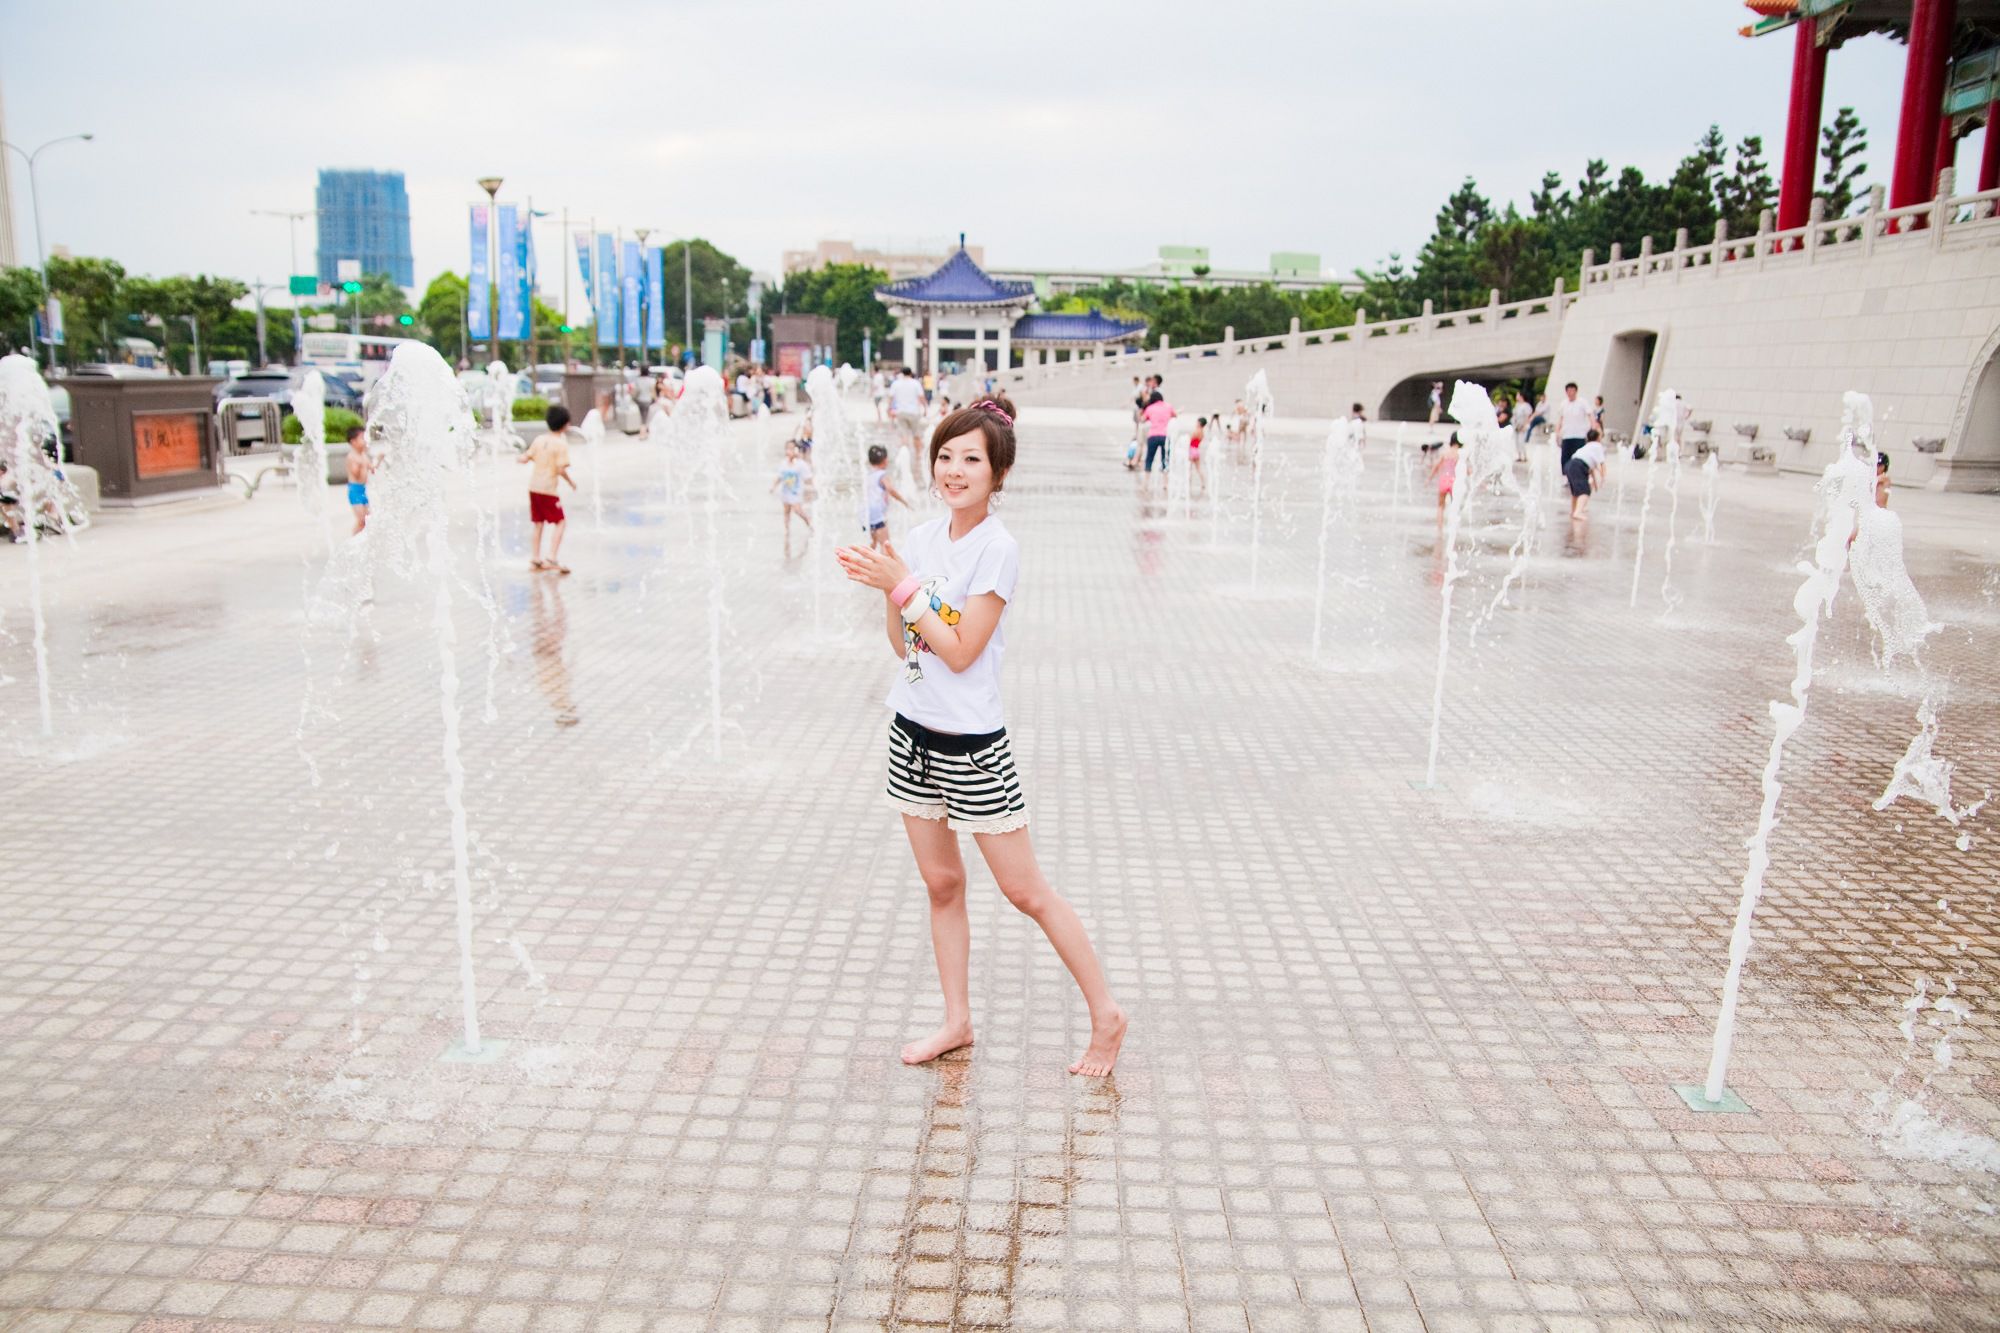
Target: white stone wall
{"x": 1777, "y": 341}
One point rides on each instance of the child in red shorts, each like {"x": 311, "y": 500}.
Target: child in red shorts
{"x": 548, "y": 456}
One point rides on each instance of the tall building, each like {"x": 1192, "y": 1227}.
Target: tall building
{"x": 365, "y": 215}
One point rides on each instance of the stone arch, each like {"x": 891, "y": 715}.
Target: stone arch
{"x": 1971, "y": 459}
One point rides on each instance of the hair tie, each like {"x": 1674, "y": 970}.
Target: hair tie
{"x": 988, "y": 405}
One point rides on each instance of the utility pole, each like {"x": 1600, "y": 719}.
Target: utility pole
{"x": 644, "y": 302}
{"x": 294, "y": 216}
{"x": 41, "y": 245}
{"x": 687, "y": 291}
{"x": 562, "y": 249}
{"x": 491, "y": 184}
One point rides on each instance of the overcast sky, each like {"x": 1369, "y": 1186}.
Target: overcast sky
{"x": 1050, "y": 133}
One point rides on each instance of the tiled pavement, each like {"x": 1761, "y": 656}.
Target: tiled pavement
{"x": 1401, "y": 1058}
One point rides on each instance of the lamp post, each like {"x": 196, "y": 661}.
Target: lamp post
{"x": 642, "y": 233}
{"x": 41, "y": 248}
{"x": 491, "y": 184}
{"x": 294, "y": 216}
{"x": 258, "y": 288}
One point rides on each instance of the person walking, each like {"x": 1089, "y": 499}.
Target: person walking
{"x": 548, "y": 456}
{"x": 1573, "y": 424}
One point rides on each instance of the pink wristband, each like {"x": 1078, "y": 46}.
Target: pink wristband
{"x": 904, "y": 591}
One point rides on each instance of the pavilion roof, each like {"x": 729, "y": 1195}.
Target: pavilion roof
{"x": 1095, "y": 327}
{"x": 1977, "y": 21}
{"x": 958, "y": 282}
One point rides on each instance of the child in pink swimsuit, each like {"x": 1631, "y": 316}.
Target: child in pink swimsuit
{"x": 1444, "y": 471}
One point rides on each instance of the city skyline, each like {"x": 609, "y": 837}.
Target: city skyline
{"x": 1253, "y": 145}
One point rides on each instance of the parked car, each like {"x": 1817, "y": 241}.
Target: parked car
{"x": 265, "y": 382}
{"x": 344, "y": 389}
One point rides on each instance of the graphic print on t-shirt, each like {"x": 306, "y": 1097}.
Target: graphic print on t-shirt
{"x": 913, "y": 642}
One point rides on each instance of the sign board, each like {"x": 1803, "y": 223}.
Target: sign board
{"x": 347, "y": 270}
{"x": 323, "y": 321}
{"x": 166, "y": 443}
{"x": 305, "y": 284}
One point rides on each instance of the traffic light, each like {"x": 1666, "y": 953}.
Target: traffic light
{"x": 406, "y": 320}
{"x": 568, "y": 329}
{"x": 350, "y": 287}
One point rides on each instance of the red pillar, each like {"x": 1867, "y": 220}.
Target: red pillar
{"x": 1795, "y": 184}
{"x": 1989, "y": 149}
{"x": 1915, "y": 178}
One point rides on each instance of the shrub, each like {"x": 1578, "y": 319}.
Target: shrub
{"x": 531, "y": 409}
{"x": 338, "y": 421}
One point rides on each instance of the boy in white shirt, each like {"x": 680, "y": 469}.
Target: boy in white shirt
{"x": 1585, "y": 473}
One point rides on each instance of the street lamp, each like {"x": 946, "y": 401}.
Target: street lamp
{"x": 295, "y": 216}
{"x": 41, "y": 250}
{"x": 491, "y": 184}
{"x": 258, "y": 288}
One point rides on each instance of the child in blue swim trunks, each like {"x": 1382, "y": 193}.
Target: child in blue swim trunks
{"x": 359, "y": 467}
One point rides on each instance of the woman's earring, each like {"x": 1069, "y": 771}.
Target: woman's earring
{"x": 993, "y": 500}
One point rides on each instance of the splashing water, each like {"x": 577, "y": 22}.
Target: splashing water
{"x": 309, "y": 406}
{"x": 27, "y": 420}
{"x": 424, "y": 427}
{"x": 1711, "y": 485}
{"x": 1257, "y": 397}
{"x": 1482, "y": 457}
{"x": 1843, "y": 490}
{"x": 1664, "y": 416}
{"x": 701, "y": 421}
{"x": 1890, "y": 601}
{"x": 1532, "y": 499}
{"x": 592, "y": 431}
{"x": 1668, "y": 597}
{"x": 1926, "y": 776}
{"x": 499, "y": 407}
{"x": 1340, "y": 478}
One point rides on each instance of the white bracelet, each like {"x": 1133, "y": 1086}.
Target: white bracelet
{"x": 913, "y": 610}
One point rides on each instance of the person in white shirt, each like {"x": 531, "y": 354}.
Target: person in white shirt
{"x": 1572, "y": 424}
{"x": 906, "y": 409}
{"x": 1585, "y": 473}
{"x": 878, "y": 389}
{"x": 951, "y": 763}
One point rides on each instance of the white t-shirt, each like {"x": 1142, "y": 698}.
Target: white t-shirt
{"x": 905, "y": 394}
{"x": 1575, "y": 419}
{"x": 986, "y": 559}
{"x": 1592, "y": 454}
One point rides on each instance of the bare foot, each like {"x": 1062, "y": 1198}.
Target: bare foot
{"x": 950, "y": 1037}
{"x": 1105, "y": 1039}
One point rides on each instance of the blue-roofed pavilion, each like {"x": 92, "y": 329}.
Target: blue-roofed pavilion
{"x": 957, "y": 314}
{"x": 1045, "y": 333}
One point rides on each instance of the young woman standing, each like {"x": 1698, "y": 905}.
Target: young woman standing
{"x": 951, "y": 764}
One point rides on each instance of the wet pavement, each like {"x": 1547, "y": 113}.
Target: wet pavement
{"x": 1401, "y": 1057}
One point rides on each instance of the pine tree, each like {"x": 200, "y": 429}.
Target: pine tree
{"x": 1743, "y": 195}
{"x": 1844, "y": 142}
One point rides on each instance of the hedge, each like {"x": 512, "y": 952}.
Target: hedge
{"x": 531, "y": 409}
{"x": 338, "y": 420}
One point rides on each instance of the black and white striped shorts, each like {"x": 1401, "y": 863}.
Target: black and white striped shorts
{"x": 968, "y": 781}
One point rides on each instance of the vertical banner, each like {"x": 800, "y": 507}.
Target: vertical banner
{"x": 629, "y": 273}
{"x": 528, "y": 276}
{"x": 606, "y": 300}
{"x": 583, "y": 267}
{"x": 478, "y": 315}
{"x": 513, "y": 327}
{"x": 656, "y": 317}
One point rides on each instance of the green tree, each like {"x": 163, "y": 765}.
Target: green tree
{"x": 1391, "y": 291}
{"x": 440, "y": 316}
{"x": 1742, "y": 196}
{"x": 721, "y": 288}
{"x": 89, "y": 290}
{"x": 1445, "y": 264}
{"x": 1842, "y": 144}
{"x": 20, "y": 298}
{"x": 1515, "y": 254}
{"x": 844, "y": 292}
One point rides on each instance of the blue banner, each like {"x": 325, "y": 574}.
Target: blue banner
{"x": 478, "y": 317}
{"x": 629, "y": 273}
{"x": 513, "y": 320}
{"x": 583, "y": 267}
{"x": 606, "y": 300}
{"x": 656, "y": 319}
